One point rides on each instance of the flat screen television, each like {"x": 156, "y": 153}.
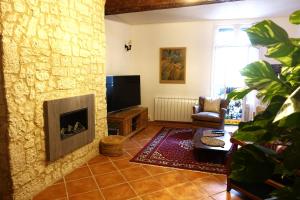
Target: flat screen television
{"x": 122, "y": 92}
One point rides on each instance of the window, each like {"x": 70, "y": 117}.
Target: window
{"x": 232, "y": 52}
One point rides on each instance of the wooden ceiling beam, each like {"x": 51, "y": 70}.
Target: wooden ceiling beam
{"x": 113, "y": 7}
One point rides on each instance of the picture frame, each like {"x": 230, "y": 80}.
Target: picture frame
{"x": 172, "y": 67}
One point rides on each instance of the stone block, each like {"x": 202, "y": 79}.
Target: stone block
{"x": 84, "y": 53}
{"x": 66, "y": 83}
{"x": 38, "y": 44}
{"x": 44, "y": 6}
{"x": 61, "y": 47}
{"x": 40, "y": 87}
{"x": 32, "y": 27}
{"x": 70, "y": 26}
{"x": 32, "y": 94}
{"x": 5, "y": 7}
{"x": 52, "y": 20}
{"x": 42, "y": 66}
{"x": 52, "y": 84}
{"x": 11, "y": 17}
{"x": 42, "y": 75}
{"x": 42, "y": 34}
{"x": 19, "y": 6}
{"x": 59, "y": 71}
{"x": 17, "y": 157}
{"x": 82, "y": 8}
{"x": 30, "y": 80}
{"x": 20, "y": 89}
{"x": 85, "y": 28}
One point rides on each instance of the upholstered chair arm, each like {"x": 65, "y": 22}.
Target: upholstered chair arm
{"x": 222, "y": 113}
{"x": 196, "y": 109}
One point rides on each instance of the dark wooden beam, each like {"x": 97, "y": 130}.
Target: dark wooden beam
{"x": 113, "y": 7}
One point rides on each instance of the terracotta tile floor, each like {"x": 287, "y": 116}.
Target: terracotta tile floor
{"x": 115, "y": 178}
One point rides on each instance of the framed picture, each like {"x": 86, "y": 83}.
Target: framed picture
{"x": 172, "y": 65}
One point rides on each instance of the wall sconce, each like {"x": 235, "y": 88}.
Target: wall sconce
{"x": 128, "y": 45}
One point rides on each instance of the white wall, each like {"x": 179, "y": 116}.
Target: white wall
{"x": 118, "y": 60}
{"x": 143, "y": 59}
{"x": 197, "y": 37}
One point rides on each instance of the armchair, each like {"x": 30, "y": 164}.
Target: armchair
{"x": 203, "y": 118}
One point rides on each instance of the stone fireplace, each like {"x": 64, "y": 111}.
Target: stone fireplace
{"x": 70, "y": 124}
{"x": 48, "y": 50}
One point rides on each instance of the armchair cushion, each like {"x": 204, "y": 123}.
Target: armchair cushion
{"x": 212, "y": 105}
{"x": 207, "y": 116}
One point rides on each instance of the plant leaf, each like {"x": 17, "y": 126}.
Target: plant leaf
{"x": 246, "y": 162}
{"x": 238, "y": 94}
{"x": 283, "y": 52}
{"x": 251, "y": 135}
{"x": 273, "y": 107}
{"x": 295, "y": 17}
{"x": 266, "y": 33}
{"x": 295, "y": 41}
{"x": 289, "y": 192}
{"x": 280, "y": 49}
{"x": 296, "y": 57}
{"x": 290, "y": 122}
{"x": 290, "y": 106}
{"x": 291, "y": 159}
{"x": 262, "y": 128}
{"x": 292, "y": 75}
{"x": 261, "y": 77}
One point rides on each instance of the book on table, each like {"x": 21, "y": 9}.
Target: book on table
{"x": 213, "y": 133}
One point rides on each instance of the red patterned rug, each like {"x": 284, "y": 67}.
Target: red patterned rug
{"x": 173, "y": 147}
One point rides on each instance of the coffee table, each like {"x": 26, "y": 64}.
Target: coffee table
{"x": 208, "y": 153}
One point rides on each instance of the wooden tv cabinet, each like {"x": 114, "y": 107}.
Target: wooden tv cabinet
{"x": 129, "y": 121}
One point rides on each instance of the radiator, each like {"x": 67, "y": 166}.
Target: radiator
{"x": 174, "y": 108}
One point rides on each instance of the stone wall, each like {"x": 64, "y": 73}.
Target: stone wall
{"x": 5, "y": 176}
{"x": 51, "y": 49}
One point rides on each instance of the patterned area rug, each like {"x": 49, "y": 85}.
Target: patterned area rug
{"x": 173, "y": 147}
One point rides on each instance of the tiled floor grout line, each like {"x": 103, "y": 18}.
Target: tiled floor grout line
{"x": 93, "y": 177}
{"x": 114, "y": 185}
{"x": 209, "y": 175}
{"x": 65, "y": 183}
{"x": 120, "y": 172}
{"x": 92, "y": 174}
{"x": 125, "y": 179}
{"x": 153, "y": 176}
{"x": 210, "y": 195}
{"x": 219, "y": 192}
{"x": 131, "y": 151}
{"x": 200, "y": 190}
{"x": 68, "y": 181}
{"x": 141, "y": 196}
{"x": 84, "y": 192}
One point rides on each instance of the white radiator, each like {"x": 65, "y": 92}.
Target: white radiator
{"x": 174, "y": 108}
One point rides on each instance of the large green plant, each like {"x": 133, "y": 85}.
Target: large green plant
{"x": 281, "y": 119}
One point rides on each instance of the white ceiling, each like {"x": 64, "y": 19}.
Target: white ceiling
{"x": 230, "y": 10}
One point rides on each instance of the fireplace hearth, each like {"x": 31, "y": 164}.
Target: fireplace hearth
{"x": 70, "y": 124}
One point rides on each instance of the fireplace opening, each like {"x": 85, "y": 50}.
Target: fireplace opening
{"x": 74, "y": 122}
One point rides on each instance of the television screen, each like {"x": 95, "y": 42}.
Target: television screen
{"x": 122, "y": 92}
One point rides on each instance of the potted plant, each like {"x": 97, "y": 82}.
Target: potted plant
{"x": 280, "y": 121}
